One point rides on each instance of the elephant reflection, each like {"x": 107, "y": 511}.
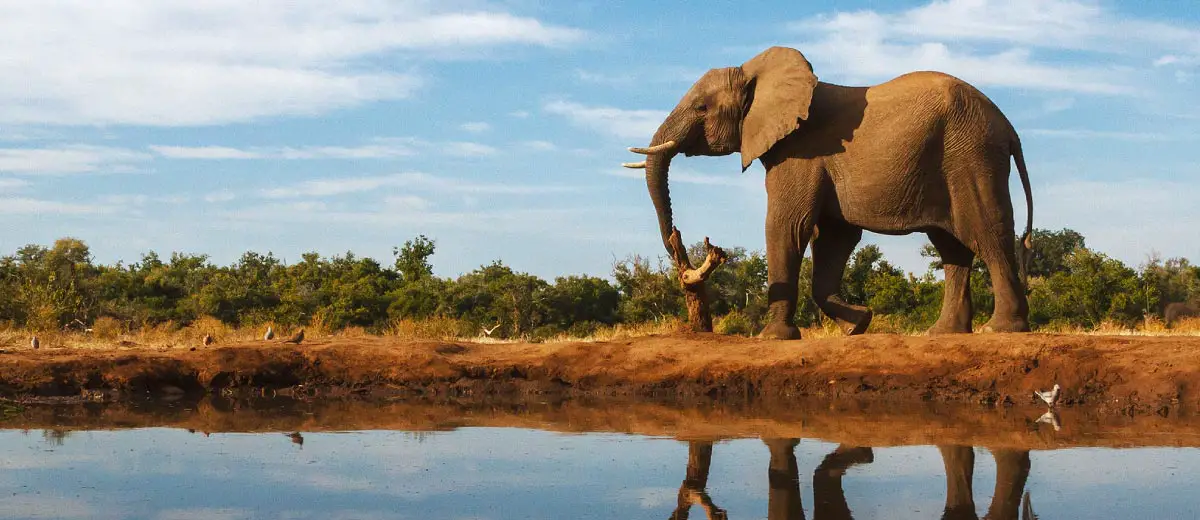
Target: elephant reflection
{"x": 783, "y": 498}
{"x": 783, "y": 477}
{"x": 1012, "y": 470}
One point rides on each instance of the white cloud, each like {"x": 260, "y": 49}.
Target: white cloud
{"x": 380, "y": 148}
{"x": 406, "y": 203}
{"x": 10, "y": 185}
{"x": 204, "y": 514}
{"x": 1125, "y": 218}
{"x": 743, "y": 180}
{"x": 179, "y": 62}
{"x": 476, "y": 127}
{"x": 541, "y": 146}
{"x": 636, "y": 125}
{"x": 987, "y": 42}
{"x": 220, "y": 196}
{"x": 519, "y": 114}
{"x": 414, "y": 180}
{"x": 27, "y": 206}
{"x": 1082, "y": 133}
{"x": 68, "y": 159}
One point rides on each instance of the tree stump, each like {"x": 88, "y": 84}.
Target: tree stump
{"x": 691, "y": 280}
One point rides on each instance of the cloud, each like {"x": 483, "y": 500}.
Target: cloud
{"x": 1081, "y": 133}
{"x": 220, "y": 196}
{"x": 407, "y": 203}
{"x": 204, "y": 514}
{"x": 69, "y": 159}
{"x": 637, "y": 125}
{"x": 541, "y": 146}
{"x": 989, "y": 42}
{"x": 179, "y": 62}
{"x": 476, "y": 127}
{"x": 380, "y": 148}
{"x": 414, "y": 180}
{"x": 27, "y": 206}
{"x": 688, "y": 177}
{"x": 10, "y": 185}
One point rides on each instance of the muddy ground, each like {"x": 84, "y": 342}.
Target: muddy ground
{"x": 1105, "y": 374}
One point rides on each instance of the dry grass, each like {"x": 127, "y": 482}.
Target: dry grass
{"x": 109, "y": 333}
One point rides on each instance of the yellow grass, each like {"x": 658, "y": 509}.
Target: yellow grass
{"x": 109, "y": 333}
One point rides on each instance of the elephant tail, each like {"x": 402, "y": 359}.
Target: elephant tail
{"x": 1027, "y": 239}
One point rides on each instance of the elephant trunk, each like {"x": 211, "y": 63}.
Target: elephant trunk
{"x": 657, "y": 166}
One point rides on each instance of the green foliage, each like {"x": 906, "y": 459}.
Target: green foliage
{"x": 52, "y": 287}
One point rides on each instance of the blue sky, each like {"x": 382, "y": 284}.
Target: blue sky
{"x": 497, "y": 128}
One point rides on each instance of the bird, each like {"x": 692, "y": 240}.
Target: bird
{"x": 296, "y": 438}
{"x": 488, "y": 332}
{"x": 297, "y": 338}
{"x": 1050, "y": 397}
{"x": 1027, "y": 509}
{"x": 270, "y": 335}
{"x": 35, "y": 343}
{"x": 1050, "y": 418}
{"x": 208, "y": 339}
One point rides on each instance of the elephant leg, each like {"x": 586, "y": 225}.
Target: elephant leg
{"x": 1012, "y": 470}
{"x": 956, "y": 298}
{"x": 783, "y": 476}
{"x": 793, "y": 192}
{"x": 830, "y": 252}
{"x": 960, "y": 470}
{"x": 1011, "y": 313}
{"x": 692, "y": 490}
{"x": 827, "y": 482}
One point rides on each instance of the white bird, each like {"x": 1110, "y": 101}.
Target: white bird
{"x": 1027, "y": 509}
{"x": 270, "y": 335}
{"x": 1050, "y": 418}
{"x": 1050, "y": 397}
{"x": 488, "y": 332}
{"x": 35, "y": 343}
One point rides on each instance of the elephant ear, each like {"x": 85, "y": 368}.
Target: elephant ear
{"x": 781, "y": 82}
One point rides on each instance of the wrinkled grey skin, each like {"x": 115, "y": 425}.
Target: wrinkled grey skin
{"x": 1179, "y": 310}
{"x": 924, "y": 152}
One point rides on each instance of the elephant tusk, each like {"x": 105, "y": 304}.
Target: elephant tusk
{"x": 634, "y": 165}
{"x": 667, "y": 146}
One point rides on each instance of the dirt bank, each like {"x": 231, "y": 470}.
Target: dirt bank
{"x": 1107, "y": 374}
{"x": 849, "y": 421}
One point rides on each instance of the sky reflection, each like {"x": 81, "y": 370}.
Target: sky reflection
{"x": 496, "y": 473}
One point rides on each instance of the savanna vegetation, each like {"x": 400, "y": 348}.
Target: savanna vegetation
{"x": 61, "y": 287}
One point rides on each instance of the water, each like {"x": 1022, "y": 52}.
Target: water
{"x": 168, "y": 473}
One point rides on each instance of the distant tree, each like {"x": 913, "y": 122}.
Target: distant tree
{"x": 1051, "y": 249}
{"x": 412, "y": 259}
{"x": 647, "y": 293}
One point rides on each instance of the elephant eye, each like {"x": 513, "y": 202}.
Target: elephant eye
{"x": 702, "y": 108}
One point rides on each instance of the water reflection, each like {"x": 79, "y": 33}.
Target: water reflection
{"x": 783, "y": 480}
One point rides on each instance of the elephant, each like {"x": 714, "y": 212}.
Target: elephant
{"x": 924, "y": 152}
{"x": 1178, "y": 310}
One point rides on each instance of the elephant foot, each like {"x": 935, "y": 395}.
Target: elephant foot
{"x": 780, "y": 330}
{"x": 858, "y": 326}
{"x": 845, "y": 457}
{"x": 950, "y": 327}
{"x": 997, "y": 324}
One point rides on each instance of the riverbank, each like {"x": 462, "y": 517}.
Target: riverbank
{"x": 1109, "y": 374}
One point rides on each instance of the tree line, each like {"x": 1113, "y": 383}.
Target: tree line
{"x": 44, "y": 288}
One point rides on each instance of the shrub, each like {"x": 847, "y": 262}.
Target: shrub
{"x": 736, "y": 323}
{"x": 108, "y": 327}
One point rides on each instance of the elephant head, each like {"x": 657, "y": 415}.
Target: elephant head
{"x": 743, "y": 109}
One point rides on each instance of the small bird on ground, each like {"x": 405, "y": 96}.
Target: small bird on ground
{"x": 1027, "y": 508}
{"x": 488, "y": 332}
{"x": 35, "y": 343}
{"x": 1050, "y": 397}
{"x": 1050, "y": 418}
{"x": 270, "y": 335}
{"x": 297, "y": 338}
{"x": 296, "y": 438}
{"x": 208, "y": 339}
